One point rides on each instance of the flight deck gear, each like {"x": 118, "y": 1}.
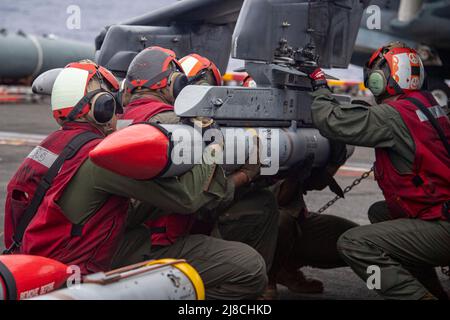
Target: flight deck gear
{"x": 304, "y": 239}
{"x": 251, "y": 219}
{"x": 39, "y": 190}
{"x": 318, "y": 79}
{"x": 423, "y": 192}
{"x": 229, "y": 269}
{"x": 405, "y": 250}
{"x": 156, "y": 68}
{"x": 196, "y": 66}
{"x": 379, "y": 212}
{"x": 365, "y": 126}
{"x": 142, "y": 109}
{"x": 394, "y": 69}
{"x": 167, "y": 229}
{"x": 89, "y": 245}
{"x": 71, "y": 98}
{"x": 406, "y": 139}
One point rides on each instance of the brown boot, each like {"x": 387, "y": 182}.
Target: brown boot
{"x": 298, "y": 283}
{"x": 270, "y": 293}
{"x": 428, "y": 296}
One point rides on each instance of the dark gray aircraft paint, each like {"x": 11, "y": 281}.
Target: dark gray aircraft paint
{"x": 274, "y": 38}
{"x": 422, "y": 24}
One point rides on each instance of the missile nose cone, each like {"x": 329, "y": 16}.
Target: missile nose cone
{"x": 26, "y": 276}
{"x": 139, "y": 151}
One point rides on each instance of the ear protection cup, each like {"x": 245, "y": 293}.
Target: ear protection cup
{"x": 119, "y": 97}
{"x": 177, "y": 82}
{"x": 376, "y": 82}
{"x": 119, "y": 101}
{"x": 103, "y": 107}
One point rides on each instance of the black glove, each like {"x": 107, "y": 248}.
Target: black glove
{"x": 315, "y": 74}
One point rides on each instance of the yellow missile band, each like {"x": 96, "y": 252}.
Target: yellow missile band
{"x": 227, "y": 77}
{"x": 190, "y": 272}
{"x": 339, "y": 83}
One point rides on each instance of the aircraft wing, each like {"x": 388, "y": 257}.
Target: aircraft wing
{"x": 187, "y": 26}
{"x": 206, "y": 27}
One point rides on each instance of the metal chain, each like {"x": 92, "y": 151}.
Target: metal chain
{"x": 365, "y": 175}
{"x": 347, "y": 189}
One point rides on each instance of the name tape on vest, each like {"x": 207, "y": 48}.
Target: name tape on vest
{"x": 436, "y": 111}
{"x": 43, "y": 156}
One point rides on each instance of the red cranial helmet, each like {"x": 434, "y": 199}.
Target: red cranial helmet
{"x": 151, "y": 68}
{"x": 195, "y": 65}
{"x": 72, "y": 99}
{"x": 394, "y": 69}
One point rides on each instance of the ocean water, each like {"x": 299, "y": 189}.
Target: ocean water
{"x": 52, "y": 16}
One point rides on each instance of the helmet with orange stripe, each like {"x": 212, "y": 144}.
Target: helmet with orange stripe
{"x": 201, "y": 70}
{"x": 85, "y": 90}
{"x": 394, "y": 69}
{"x": 156, "y": 68}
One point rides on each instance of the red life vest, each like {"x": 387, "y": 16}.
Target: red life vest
{"x": 421, "y": 193}
{"x": 50, "y": 234}
{"x": 167, "y": 229}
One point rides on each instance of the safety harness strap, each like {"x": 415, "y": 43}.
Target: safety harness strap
{"x": 150, "y": 82}
{"x": 443, "y": 138}
{"x": 433, "y": 122}
{"x": 80, "y": 104}
{"x": 9, "y": 282}
{"x": 68, "y": 152}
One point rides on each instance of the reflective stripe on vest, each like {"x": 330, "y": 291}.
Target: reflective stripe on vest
{"x": 167, "y": 229}
{"x": 43, "y": 156}
{"x": 422, "y": 192}
{"x": 436, "y": 111}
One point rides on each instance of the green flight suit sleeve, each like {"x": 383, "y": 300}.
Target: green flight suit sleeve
{"x": 166, "y": 117}
{"x": 360, "y": 125}
{"x": 202, "y": 186}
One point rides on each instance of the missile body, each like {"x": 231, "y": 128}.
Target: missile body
{"x": 25, "y": 276}
{"x": 25, "y": 56}
{"x": 166, "y": 279}
{"x": 145, "y": 151}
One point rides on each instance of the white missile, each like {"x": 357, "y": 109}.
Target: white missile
{"x": 166, "y": 279}
{"x": 145, "y": 151}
